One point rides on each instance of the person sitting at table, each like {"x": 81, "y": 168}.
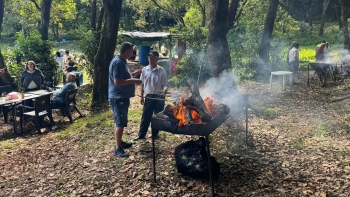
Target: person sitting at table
{"x": 32, "y": 78}
{"x": 60, "y": 96}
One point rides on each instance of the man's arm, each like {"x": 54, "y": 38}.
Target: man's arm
{"x": 63, "y": 92}
{"x": 125, "y": 82}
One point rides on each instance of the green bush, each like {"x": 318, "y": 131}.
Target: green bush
{"x": 89, "y": 46}
{"x": 31, "y": 47}
{"x": 195, "y": 58}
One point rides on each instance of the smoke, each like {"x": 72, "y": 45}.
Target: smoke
{"x": 224, "y": 90}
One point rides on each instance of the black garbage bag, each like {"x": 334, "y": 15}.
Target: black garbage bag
{"x": 192, "y": 160}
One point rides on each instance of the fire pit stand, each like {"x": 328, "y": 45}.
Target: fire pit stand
{"x": 202, "y": 129}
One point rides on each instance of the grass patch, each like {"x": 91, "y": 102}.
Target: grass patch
{"x": 9, "y": 145}
{"x": 299, "y": 143}
{"x": 270, "y": 112}
{"x": 135, "y": 115}
{"x": 84, "y": 125}
{"x": 323, "y": 130}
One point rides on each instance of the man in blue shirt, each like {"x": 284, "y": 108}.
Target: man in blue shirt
{"x": 60, "y": 96}
{"x": 121, "y": 87}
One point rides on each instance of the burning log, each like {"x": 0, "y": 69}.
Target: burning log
{"x": 198, "y": 102}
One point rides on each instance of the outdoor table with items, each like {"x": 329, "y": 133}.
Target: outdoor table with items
{"x": 14, "y": 99}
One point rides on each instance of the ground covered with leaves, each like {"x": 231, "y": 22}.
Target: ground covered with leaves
{"x": 298, "y": 145}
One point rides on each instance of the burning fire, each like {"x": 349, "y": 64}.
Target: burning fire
{"x": 183, "y": 108}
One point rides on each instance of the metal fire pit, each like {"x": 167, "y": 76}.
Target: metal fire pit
{"x": 324, "y": 70}
{"x": 200, "y": 129}
{"x": 167, "y": 124}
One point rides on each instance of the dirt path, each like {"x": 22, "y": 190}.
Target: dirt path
{"x": 298, "y": 146}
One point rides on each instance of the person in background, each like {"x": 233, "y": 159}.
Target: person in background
{"x": 320, "y": 56}
{"x": 67, "y": 55}
{"x": 164, "y": 50}
{"x": 32, "y": 78}
{"x": 60, "y": 96}
{"x": 2, "y": 71}
{"x": 154, "y": 84}
{"x": 294, "y": 60}
{"x": 133, "y": 56}
{"x": 175, "y": 48}
{"x": 327, "y": 50}
{"x": 59, "y": 60}
{"x": 69, "y": 67}
{"x": 121, "y": 87}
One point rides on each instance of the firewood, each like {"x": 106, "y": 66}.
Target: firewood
{"x": 188, "y": 116}
{"x": 198, "y": 102}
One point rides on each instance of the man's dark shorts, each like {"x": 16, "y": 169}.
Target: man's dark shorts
{"x": 120, "y": 111}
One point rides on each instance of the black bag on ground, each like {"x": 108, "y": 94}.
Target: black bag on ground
{"x": 192, "y": 160}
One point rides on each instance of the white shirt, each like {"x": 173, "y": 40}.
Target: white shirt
{"x": 163, "y": 49}
{"x": 154, "y": 80}
{"x": 293, "y": 55}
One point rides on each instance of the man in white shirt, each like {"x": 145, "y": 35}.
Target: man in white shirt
{"x": 154, "y": 84}
{"x": 294, "y": 60}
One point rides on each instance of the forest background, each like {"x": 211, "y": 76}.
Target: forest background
{"x": 258, "y": 34}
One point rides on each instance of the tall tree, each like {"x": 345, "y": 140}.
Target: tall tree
{"x": 45, "y": 19}
{"x": 2, "y": 10}
{"x": 345, "y": 15}
{"x": 267, "y": 36}
{"x": 325, "y": 6}
{"x": 108, "y": 42}
{"x": 222, "y": 18}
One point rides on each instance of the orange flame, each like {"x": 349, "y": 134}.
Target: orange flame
{"x": 180, "y": 111}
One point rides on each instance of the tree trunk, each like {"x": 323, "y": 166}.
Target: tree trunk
{"x": 325, "y": 6}
{"x": 217, "y": 45}
{"x": 45, "y": 19}
{"x": 338, "y": 15}
{"x": 104, "y": 56}
{"x": 5, "y": 78}
{"x": 264, "y": 68}
{"x": 93, "y": 14}
{"x": 2, "y": 9}
{"x": 345, "y": 15}
{"x": 100, "y": 19}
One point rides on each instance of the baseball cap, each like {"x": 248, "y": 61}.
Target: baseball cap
{"x": 153, "y": 53}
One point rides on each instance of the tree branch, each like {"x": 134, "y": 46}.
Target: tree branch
{"x": 237, "y": 15}
{"x": 177, "y": 16}
{"x": 36, "y": 5}
{"x": 204, "y": 18}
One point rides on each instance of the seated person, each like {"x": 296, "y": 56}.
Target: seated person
{"x": 32, "y": 78}
{"x": 60, "y": 96}
{"x": 69, "y": 67}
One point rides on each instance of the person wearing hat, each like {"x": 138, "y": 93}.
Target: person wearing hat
{"x": 154, "y": 85}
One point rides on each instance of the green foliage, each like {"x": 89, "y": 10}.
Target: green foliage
{"x": 89, "y": 46}
{"x": 195, "y": 58}
{"x": 31, "y": 47}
